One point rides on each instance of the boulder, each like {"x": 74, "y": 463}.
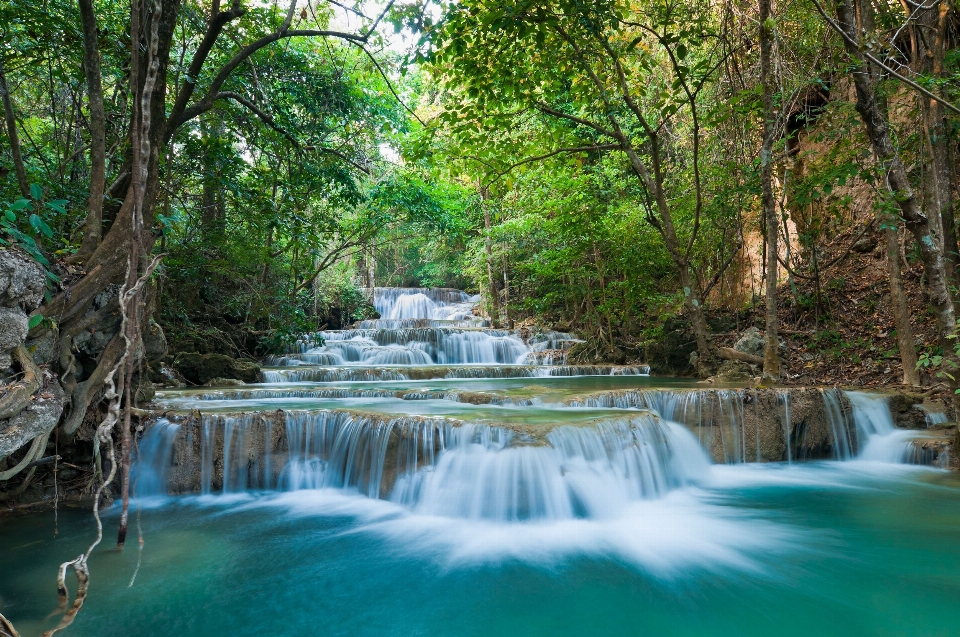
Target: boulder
{"x": 199, "y": 369}
{"x": 752, "y": 342}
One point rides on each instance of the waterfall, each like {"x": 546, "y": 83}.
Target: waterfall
{"x": 441, "y": 466}
{"x": 359, "y": 374}
{"x": 152, "y": 463}
{"x": 583, "y": 472}
{"x": 413, "y": 346}
{"x": 397, "y": 304}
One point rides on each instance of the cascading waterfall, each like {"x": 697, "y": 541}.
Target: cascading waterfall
{"x": 152, "y": 463}
{"x": 397, "y": 304}
{"x": 581, "y": 457}
{"x": 439, "y": 466}
{"x": 423, "y": 327}
{"x": 859, "y": 425}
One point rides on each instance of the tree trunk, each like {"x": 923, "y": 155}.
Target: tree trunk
{"x": 898, "y": 183}
{"x": 771, "y": 354}
{"x": 97, "y": 123}
{"x": 372, "y": 267}
{"x": 488, "y": 247}
{"x": 12, "y": 135}
{"x": 901, "y": 313}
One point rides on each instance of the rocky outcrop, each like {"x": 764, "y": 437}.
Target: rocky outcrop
{"x": 200, "y": 369}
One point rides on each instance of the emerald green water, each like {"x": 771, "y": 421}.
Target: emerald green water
{"x": 821, "y": 549}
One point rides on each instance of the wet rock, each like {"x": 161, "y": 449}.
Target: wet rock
{"x": 145, "y": 391}
{"x": 735, "y": 372}
{"x": 199, "y": 369}
{"x": 907, "y": 411}
{"x": 224, "y": 382}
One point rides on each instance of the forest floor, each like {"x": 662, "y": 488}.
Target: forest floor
{"x": 849, "y": 337}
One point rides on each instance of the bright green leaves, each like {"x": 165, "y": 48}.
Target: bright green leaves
{"x": 23, "y": 224}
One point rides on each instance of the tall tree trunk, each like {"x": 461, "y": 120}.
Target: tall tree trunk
{"x": 488, "y": 247}
{"x": 901, "y": 313}
{"x": 898, "y": 183}
{"x": 12, "y": 135}
{"x": 771, "y": 353}
{"x": 372, "y": 266}
{"x": 97, "y": 123}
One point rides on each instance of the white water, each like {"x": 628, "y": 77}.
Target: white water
{"x": 396, "y": 304}
{"x": 442, "y": 467}
{"x": 154, "y": 454}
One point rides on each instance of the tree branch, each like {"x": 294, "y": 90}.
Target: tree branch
{"x": 836, "y": 27}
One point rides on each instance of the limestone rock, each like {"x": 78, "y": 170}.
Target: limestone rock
{"x": 37, "y": 419}
{"x": 22, "y": 280}
{"x": 43, "y": 348}
{"x": 751, "y": 342}
{"x": 13, "y": 331}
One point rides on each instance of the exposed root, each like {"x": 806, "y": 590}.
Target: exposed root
{"x": 80, "y": 564}
{"x": 33, "y": 453}
{"x": 6, "y": 628}
{"x": 18, "y": 397}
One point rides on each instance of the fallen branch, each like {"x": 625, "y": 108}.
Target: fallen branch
{"x": 731, "y": 354}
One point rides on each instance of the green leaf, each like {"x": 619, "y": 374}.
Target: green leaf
{"x": 35, "y": 320}
{"x": 40, "y": 226}
{"x": 20, "y": 204}
{"x": 58, "y": 205}
{"x": 36, "y": 192}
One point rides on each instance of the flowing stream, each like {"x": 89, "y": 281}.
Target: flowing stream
{"x": 427, "y": 474}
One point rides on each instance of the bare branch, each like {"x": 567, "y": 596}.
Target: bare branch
{"x": 836, "y": 27}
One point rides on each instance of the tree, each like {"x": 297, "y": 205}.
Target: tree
{"x": 606, "y": 88}
{"x": 771, "y": 356}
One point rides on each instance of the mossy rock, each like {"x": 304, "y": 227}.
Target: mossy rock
{"x": 200, "y": 369}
